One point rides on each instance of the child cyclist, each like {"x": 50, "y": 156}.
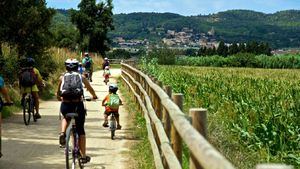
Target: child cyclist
{"x": 112, "y": 102}
{"x": 106, "y": 74}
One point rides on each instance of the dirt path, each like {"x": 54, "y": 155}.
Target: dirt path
{"x": 36, "y": 146}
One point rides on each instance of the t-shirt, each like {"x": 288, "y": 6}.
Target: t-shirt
{"x": 107, "y": 108}
{"x": 84, "y": 62}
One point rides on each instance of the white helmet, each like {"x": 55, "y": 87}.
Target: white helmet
{"x": 105, "y": 58}
{"x": 71, "y": 64}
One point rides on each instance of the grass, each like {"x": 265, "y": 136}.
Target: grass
{"x": 141, "y": 152}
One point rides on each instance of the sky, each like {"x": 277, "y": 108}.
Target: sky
{"x": 188, "y": 7}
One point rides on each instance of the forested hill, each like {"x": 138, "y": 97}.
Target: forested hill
{"x": 280, "y": 29}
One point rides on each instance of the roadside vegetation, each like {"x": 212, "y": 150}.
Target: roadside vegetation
{"x": 141, "y": 152}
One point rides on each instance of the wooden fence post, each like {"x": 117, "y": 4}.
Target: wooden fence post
{"x": 273, "y": 166}
{"x": 175, "y": 137}
{"x": 199, "y": 122}
{"x": 166, "y": 116}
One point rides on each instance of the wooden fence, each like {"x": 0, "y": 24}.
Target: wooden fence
{"x": 168, "y": 127}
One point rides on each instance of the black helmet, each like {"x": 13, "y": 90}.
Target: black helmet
{"x": 71, "y": 64}
{"x": 113, "y": 88}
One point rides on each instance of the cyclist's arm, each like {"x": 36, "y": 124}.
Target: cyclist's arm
{"x": 104, "y": 101}
{"x": 58, "y": 89}
{"x": 39, "y": 76}
{"x": 89, "y": 87}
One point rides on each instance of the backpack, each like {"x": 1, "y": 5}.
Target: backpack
{"x": 88, "y": 63}
{"x": 27, "y": 77}
{"x": 113, "y": 101}
{"x": 71, "y": 87}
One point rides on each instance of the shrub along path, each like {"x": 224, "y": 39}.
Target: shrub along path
{"x": 36, "y": 146}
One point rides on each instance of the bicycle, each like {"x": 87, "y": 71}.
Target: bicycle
{"x": 87, "y": 74}
{"x": 106, "y": 79}
{"x": 1, "y": 106}
{"x": 112, "y": 125}
{"x": 28, "y": 108}
{"x": 72, "y": 145}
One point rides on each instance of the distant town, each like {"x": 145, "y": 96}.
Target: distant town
{"x": 183, "y": 39}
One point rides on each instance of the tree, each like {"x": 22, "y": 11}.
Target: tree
{"x": 25, "y": 25}
{"x": 222, "y": 49}
{"x": 93, "y": 22}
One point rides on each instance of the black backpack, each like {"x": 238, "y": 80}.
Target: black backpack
{"x": 27, "y": 77}
{"x": 71, "y": 87}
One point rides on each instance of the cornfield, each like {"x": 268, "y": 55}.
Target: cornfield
{"x": 259, "y": 107}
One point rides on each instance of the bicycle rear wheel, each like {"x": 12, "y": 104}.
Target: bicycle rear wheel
{"x": 26, "y": 103}
{"x": 69, "y": 149}
{"x": 112, "y": 127}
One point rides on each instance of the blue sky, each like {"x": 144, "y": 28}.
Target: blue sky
{"x": 188, "y": 7}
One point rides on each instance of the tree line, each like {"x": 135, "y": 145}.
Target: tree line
{"x": 225, "y": 50}
{"x": 26, "y": 29}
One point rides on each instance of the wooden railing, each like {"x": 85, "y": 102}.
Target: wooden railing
{"x": 168, "y": 127}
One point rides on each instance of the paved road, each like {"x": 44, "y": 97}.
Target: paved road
{"x": 36, "y": 146}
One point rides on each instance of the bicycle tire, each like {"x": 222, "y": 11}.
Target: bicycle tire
{"x": 68, "y": 148}
{"x": 112, "y": 129}
{"x": 1, "y": 104}
{"x": 26, "y": 110}
{"x": 32, "y": 107}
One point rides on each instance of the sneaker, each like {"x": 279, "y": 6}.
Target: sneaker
{"x": 119, "y": 127}
{"x": 62, "y": 139}
{"x": 85, "y": 159}
{"x": 37, "y": 116}
{"x": 105, "y": 124}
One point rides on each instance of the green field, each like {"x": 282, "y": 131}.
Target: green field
{"x": 253, "y": 113}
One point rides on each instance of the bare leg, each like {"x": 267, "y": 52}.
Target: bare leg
{"x": 64, "y": 125}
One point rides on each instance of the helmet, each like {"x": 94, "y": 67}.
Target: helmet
{"x": 106, "y": 67}
{"x": 105, "y": 58}
{"x": 30, "y": 61}
{"x": 86, "y": 53}
{"x": 113, "y": 88}
{"x": 71, "y": 64}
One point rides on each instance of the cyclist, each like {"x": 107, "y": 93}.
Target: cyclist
{"x": 4, "y": 91}
{"x": 106, "y": 74}
{"x": 111, "y": 103}
{"x": 87, "y": 62}
{"x": 105, "y": 63}
{"x": 81, "y": 69}
{"x": 74, "y": 104}
{"x": 29, "y": 80}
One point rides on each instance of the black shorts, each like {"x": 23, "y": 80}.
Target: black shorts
{"x": 110, "y": 112}
{"x": 75, "y": 107}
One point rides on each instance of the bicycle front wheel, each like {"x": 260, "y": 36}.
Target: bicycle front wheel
{"x": 26, "y": 103}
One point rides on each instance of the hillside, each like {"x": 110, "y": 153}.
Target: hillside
{"x": 280, "y": 29}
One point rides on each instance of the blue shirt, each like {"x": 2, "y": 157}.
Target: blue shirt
{"x": 1, "y": 82}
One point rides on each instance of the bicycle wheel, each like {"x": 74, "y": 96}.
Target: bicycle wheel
{"x": 32, "y": 110}
{"x": 26, "y": 103}
{"x": 69, "y": 148}
{"x": 112, "y": 126}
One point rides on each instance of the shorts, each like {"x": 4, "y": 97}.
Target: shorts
{"x": 108, "y": 113}
{"x": 1, "y": 82}
{"x": 78, "y": 107}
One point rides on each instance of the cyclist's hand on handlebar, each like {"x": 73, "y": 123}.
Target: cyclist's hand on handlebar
{"x": 95, "y": 97}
